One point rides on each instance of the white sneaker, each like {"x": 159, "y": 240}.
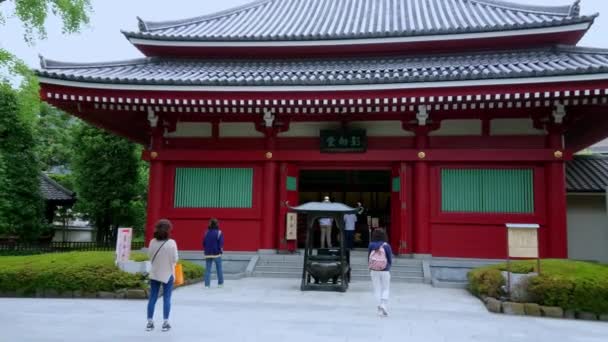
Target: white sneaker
{"x": 379, "y": 311}
{"x": 383, "y": 310}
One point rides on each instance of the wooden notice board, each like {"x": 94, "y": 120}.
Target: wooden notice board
{"x": 291, "y": 231}
{"x": 522, "y": 240}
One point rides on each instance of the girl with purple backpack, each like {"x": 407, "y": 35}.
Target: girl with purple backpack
{"x": 380, "y": 258}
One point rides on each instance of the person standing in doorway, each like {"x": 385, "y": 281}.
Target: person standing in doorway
{"x": 213, "y": 246}
{"x": 380, "y": 260}
{"x": 162, "y": 252}
{"x": 325, "y": 225}
{"x": 349, "y": 229}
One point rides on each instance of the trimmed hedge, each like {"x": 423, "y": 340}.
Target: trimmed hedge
{"x": 192, "y": 271}
{"x": 571, "y": 285}
{"x": 74, "y": 271}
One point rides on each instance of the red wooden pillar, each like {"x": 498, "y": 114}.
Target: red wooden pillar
{"x": 270, "y": 200}
{"x": 155, "y": 184}
{"x": 422, "y": 203}
{"x": 556, "y": 235}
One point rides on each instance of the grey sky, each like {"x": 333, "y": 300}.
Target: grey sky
{"x": 102, "y": 40}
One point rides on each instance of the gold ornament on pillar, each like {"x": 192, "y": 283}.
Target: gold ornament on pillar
{"x": 421, "y": 155}
{"x": 558, "y": 154}
{"x": 153, "y": 154}
{"x": 268, "y": 155}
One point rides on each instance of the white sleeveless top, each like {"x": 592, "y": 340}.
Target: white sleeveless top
{"x": 163, "y": 266}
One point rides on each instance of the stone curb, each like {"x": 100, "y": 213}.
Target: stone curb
{"x": 130, "y": 294}
{"x": 535, "y": 310}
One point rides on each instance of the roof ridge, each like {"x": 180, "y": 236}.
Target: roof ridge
{"x": 564, "y": 10}
{"x": 54, "y": 64}
{"x": 58, "y": 186}
{"x": 147, "y": 26}
{"x": 581, "y": 49}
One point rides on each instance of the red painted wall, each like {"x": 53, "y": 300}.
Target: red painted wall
{"x": 450, "y": 234}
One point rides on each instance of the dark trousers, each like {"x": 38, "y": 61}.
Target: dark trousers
{"x": 350, "y": 237}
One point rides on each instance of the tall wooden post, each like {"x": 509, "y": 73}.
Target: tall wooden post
{"x": 155, "y": 181}
{"x": 270, "y": 192}
{"x": 422, "y": 203}
{"x": 556, "y": 235}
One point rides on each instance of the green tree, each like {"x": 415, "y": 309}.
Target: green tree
{"x": 21, "y": 205}
{"x": 53, "y": 134}
{"x": 106, "y": 173}
{"x": 33, "y": 15}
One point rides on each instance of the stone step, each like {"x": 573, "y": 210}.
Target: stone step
{"x": 298, "y": 275}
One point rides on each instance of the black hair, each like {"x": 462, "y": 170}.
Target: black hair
{"x": 162, "y": 229}
{"x": 378, "y": 235}
{"x": 214, "y": 224}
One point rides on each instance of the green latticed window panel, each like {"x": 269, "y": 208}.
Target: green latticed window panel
{"x": 213, "y": 187}
{"x": 487, "y": 190}
{"x": 292, "y": 184}
{"x": 396, "y": 184}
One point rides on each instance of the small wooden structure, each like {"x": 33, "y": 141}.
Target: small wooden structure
{"x": 324, "y": 271}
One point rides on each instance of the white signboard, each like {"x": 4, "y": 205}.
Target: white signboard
{"x": 523, "y": 240}
{"x": 291, "y": 231}
{"x": 123, "y": 244}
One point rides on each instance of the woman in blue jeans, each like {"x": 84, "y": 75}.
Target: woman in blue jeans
{"x": 162, "y": 252}
{"x": 213, "y": 245}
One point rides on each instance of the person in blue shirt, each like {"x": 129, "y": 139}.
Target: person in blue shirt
{"x": 380, "y": 257}
{"x": 213, "y": 246}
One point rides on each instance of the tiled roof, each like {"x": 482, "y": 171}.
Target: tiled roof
{"x": 271, "y": 20}
{"x": 53, "y": 191}
{"x": 587, "y": 174}
{"x": 337, "y": 71}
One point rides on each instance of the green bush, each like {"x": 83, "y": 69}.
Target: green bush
{"x": 192, "y": 271}
{"x": 571, "y": 285}
{"x": 74, "y": 271}
{"x": 486, "y": 282}
{"x": 62, "y": 272}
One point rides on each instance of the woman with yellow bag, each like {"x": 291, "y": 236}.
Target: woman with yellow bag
{"x": 162, "y": 252}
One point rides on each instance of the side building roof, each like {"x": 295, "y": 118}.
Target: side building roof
{"x": 301, "y": 20}
{"x": 587, "y": 174}
{"x": 345, "y": 72}
{"x": 53, "y": 191}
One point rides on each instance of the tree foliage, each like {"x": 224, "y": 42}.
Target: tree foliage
{"x": 33, "y": 14}
{"x": 53, "y": 134}
{"x": 21, "y": 205}
{"x": 106, "y": 173}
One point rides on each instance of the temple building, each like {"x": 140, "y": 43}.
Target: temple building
{"x": 446, "y": 119}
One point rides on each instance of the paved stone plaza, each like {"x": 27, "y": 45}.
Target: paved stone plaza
{"x": 255, "y": 309}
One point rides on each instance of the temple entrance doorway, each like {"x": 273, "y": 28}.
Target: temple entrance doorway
{"x": 372, "y": 188}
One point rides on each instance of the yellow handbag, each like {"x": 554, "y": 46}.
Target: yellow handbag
{"x": 179, "y": 275}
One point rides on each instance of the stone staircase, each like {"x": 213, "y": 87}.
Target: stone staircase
{"x": 290, "y": 266}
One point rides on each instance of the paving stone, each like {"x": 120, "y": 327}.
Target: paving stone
{"x": 586, "y": 316}
{"x": 494, "y": 305}
{"x": 532, "y": 309}
{"x": 511, "y": 308}
{"x": 417, "y": 312}
{"x": 552, "y": 311}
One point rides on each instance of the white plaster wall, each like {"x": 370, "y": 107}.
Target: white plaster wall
{"x": 239, "y": 129}
{"x": 191, "y": 130}
{"x": 458, "y": 128}
{"x": 381, "y": 128}
{"x": 587, "y": 228}
{"x": 514, "y": 127}
{"x": 73, "y": 235}
{"x": 373, "y": 128}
